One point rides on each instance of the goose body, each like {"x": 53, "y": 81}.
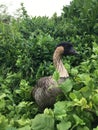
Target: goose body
{"x": 46, "y": 89}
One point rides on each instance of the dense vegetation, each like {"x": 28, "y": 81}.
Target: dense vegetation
{"x": 26, "y": 48}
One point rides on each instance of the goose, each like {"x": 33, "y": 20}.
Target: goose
{"x": 46, "y": 90}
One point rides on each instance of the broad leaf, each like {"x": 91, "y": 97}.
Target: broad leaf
{"x": 66, "y": 86}
{"x": 43, "y": 122}
{"x": 64, "y": 125}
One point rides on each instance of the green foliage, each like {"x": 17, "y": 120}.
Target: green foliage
{"x": 56, "y": 76}
{"x": 66, "y": 86}
{"x": 26, "y": 48}
{"x": 43, "y": 122}
{"x": 96, "y": 128}
{"x": 64, "y": 125}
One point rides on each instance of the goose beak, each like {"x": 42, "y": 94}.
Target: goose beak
{"x": 73, "y": 52}
{"x": 76, "y": 53}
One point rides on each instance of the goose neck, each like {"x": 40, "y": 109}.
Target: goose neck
{"x": 59, "y": 64}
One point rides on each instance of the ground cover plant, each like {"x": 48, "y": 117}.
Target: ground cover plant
{"x": 26, "y": 48}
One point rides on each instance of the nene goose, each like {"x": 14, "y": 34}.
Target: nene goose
{"x": 46, "y": 90}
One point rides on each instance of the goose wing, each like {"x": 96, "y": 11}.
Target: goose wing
{"x": 46, "y": 91}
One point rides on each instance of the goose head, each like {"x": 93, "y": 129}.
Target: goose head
{"x": 67, "y": 48}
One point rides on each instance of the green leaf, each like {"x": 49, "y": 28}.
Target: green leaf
{"x": 66, "y": 86}
{"x": 85, "y": 78}
{"x": 11, "y": 128}
{"x": 2, "y": 96}
{"x": 25, "y": 128}
{"x": 2, "y": 104}
{"x": 64, "y": 125}
{"x": 3, "y": 122}
{"x": 82, "y": 103}
{"x": 96, "y": 112}
{"x": 96, "y": 128}
{"x": 74, "y": 71}
{"x": 78, "y": 120}
{"x": 82, "y": 128}
{"x": 49, "y": 112}
{"x": 56, "y": 75}
{"x": 73, "y": 96}
{"x": 95, "y": 46}
{"x": 43, "y": 122}
{"x": 95, "y": 99}
{"x": 23, "y": 121}
{"x": 61, "y": 108}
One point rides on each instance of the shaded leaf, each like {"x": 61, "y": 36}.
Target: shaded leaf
{"x": 78, "y": 120}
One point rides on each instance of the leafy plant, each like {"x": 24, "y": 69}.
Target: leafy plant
{"x": 26, "y": 48}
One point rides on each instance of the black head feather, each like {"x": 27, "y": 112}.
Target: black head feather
{"x": 64, "y": 44}
{"x": 68, "y": 48}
